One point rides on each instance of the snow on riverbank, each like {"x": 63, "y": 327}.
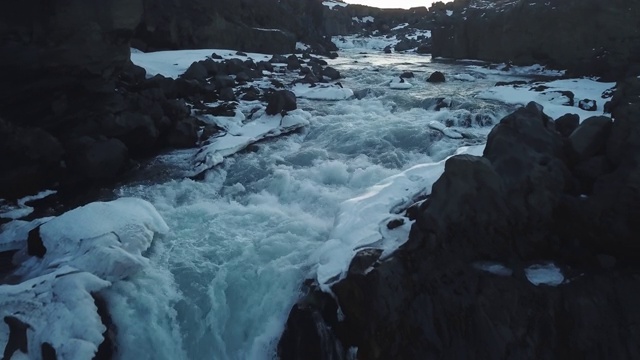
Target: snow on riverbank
{"x": 174, "y": 63}
{"x": 66, "y": 259}
{"x": 554, "y": 95}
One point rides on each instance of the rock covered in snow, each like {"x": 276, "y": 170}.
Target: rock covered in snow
{"x": 81, "y": 252}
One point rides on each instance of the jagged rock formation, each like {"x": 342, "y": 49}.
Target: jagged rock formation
{"x": 535, "y": 195}
{"x": 588, "y": 37}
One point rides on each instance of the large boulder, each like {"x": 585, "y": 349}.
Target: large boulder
{"x": 436, "y": 297}
{"x": 281, "y": 101}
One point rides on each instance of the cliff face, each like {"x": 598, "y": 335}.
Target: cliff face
{"x": 339, "y": 20}
{"x": 586, "y": 36}
{"x": 245, "y": 25}
{"x": 50, "y": 47}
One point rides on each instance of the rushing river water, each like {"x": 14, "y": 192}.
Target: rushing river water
{"x": 221, "y": 283}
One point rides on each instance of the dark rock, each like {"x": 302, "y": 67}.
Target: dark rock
{"x": 227, "y": 94}
{"x": 511, "y": 83}
{"x": 387, "y": 49}
{"x": 560, "y": 97}
{"x": 277, "y": 84}
{"x": 216, "y": 56}
{"x": 281, "y": 101}
{"x": 625, "y": 134}
{"x": 331, "y": 73}
{"x": 240, "y": 53}
{"x": 212, "y": 67}
{"x": 48, "y": 352}
{"x": 264, "y": 66}
{"x": 107, "y": 348}
{"x": 196, "y": 71}
{"x": 436, "y": 77}
{"x": 35, "y": 246}
{"x": 407, "y": 75}
{"x": 395, "y": 223}
{"x": 406, "y": 44}
{"x": 242, "y": 77}
{"x": 315, "y": 60}
{"x": 98, "y": 159}
{"x": 234, "y": 66}
{"x": 250, "y": 94}
{"x": 31, "y": 160}
{"x": 363, "y": 261}
{"x": 589, "y": 170}
{"x": 306, "y": 334}
{"x": 590, "y": 138}
{"x": 224, "y": 81}
{"x": 588, "y": 105}
{"x": 278, "y": 59}
{"x": 17, "y": 337}
{"x": 184, "y": 134}
{"x": 137, "y": 131}
{"x": 423, "y": 49}
{"x": 293, "y": 63}
{"x": 567, "y": 123}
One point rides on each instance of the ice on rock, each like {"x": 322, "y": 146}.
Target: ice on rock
{"x": 544, "y": 274}
{"x": 359, "y": 221}
{"x": 104, "y": 238}
{"x": 265, "y": 126}
{"x": 13, "y": 235}
{"x": 87, "y": 249}
{"x": 436, "y": 125}
{"x": 400, "y": 83}
{"x": 59, "y": 310}
{"x": 554, "y": 104}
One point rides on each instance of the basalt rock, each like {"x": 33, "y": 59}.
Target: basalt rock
{"x": 436, "y": 77}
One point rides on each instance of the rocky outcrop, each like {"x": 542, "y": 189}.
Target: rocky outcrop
{"x": 535, "y": 195}
{"x": 557, "y": 33}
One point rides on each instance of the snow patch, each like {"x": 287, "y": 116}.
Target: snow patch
{"x": 544, "y": 274}
{"x": 332, "y": 4}
{"x": 363, "y": 20}
{"x": 21, "y": 209}
{"x": 550, "y": 98}
{"x": 493, "y": 268}
{"x": 175, "y": 62}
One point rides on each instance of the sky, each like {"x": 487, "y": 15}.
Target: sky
{"x": 405, "y": 4}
